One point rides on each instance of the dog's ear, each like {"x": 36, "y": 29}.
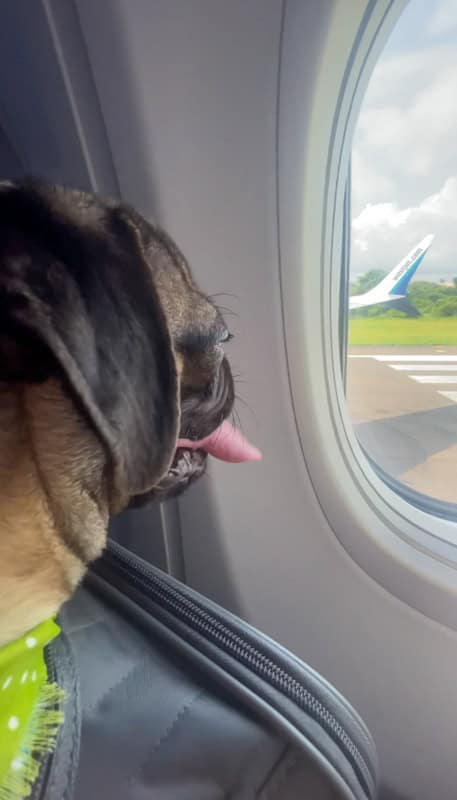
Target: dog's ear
{"x": 78, "y": 299}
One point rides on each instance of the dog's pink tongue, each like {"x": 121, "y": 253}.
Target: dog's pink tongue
{"x": 226, "y": 443}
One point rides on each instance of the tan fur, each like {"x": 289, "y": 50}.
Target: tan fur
{"x": 52, "y": 497}
{"x": 58, "y": 484}
{"x": 179, "y": 364}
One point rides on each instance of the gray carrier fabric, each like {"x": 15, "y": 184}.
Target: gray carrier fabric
{"x": 171, "y": 697}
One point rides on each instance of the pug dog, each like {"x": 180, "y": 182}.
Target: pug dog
{"x": 114, "y": 385}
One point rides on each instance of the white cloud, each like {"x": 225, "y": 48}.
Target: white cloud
{"x": 404, "y": 159}
{"x": 381, "y": 215}
{"x": 405, "y": 141}
{"x": 444, "y": 20}
{"x": 443, "y": 202}
{"x": 384, "y": 232}
{"x": 361, "y": 244}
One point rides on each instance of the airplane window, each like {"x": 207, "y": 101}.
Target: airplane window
{"x": 402, "y": 329}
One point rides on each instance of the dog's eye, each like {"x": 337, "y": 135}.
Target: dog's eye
{"x": 226, "y": 337}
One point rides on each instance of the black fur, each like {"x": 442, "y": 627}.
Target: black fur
{"x": 82, "y": 300}
{"x": 78, "y": 299}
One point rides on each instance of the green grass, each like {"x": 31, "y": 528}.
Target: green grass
{"x": 402, "y": 331}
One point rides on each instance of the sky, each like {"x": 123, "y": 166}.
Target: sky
{"x": 404, "y": 157}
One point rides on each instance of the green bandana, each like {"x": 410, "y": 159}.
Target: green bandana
{"x": 29, "y": 715}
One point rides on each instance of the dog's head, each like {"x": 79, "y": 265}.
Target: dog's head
{"x": 111, "y": 353}
{"x": 94, "y": 295}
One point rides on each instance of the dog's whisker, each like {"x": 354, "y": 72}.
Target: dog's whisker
{"x": 247, "y": 406}
{"x": 236, "y": 419}
{"x": 222, "y": 294}
{"x": 227, "y": 312}
{"x": 224, "y": 310}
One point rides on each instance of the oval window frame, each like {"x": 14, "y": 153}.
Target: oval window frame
{"x": 409, "y": 552}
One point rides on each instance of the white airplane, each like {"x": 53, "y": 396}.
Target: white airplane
{"x": 395, "y": 284}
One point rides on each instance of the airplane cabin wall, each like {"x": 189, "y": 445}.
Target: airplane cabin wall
{"x": 187, "y": 130}
{"x": 190, "y": 103}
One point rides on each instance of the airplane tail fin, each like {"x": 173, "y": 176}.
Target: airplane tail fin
{"x": 395, "y": 284}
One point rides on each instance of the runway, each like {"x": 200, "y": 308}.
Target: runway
{"x": 403, "y": 403}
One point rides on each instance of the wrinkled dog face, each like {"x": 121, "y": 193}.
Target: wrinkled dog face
{"x": 92, "y": 294}
{"x": 198, "y": 333}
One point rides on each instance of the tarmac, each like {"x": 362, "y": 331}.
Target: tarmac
{"x": 403, "y": 404}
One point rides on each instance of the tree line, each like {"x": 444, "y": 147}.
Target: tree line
{"x": 423, "y": 298}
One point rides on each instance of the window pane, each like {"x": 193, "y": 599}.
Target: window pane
{"x": 402, "y": 339}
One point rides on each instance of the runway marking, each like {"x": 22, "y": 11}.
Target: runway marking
{"x": 450, "y": 396}
{"x": 428, "y": 362}
{"x": 405, "y": 358}
{"x": 434, "y": 378}
{"x": 424, "y": 367}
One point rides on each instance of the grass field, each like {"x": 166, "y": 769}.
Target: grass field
{"x": 403, "y": 331}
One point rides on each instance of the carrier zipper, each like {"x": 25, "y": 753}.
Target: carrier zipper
{"x": 220, "y": 633}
